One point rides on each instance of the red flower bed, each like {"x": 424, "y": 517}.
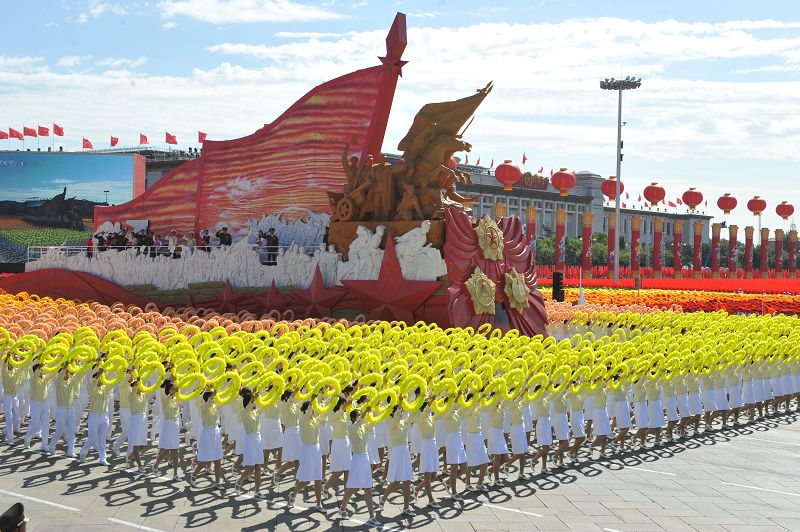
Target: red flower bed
{"x": 751, "y": 286}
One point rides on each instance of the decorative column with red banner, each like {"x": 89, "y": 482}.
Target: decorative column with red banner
{"x": 748, "y": 252}
{"x": 530, "y": 228}
{"x": 612, "y": 235}
{"x": 658, "y": 233}
{"x": 636, "y": 244}
{"x": 586, "y": 248}
{"x": 698, "y": 246}
{"x": 561, "y": 242}
{"x": 733, "y": 256}
{"x": 499, "y": 210}
{"x": 793, "y": 254}
{"x": 764, "y": 266}
{"x": 676, "y": 249}
{"x": 779, "y": 253}
{"x": 715, "y": 229}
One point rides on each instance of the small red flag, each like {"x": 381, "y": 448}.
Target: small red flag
{"x": 706, "y": 203}
{"x": 28, "y": 131}
{"x": 524, "y": 158}
{"x": 114, "y": 141}
{"x": 551, "y": 172}
{"x": 87, "y": 144}
{"x": 671, "y": 204}
{"x": 171, "y": 139}
{"x": 466, "y": 158}
{"x": 624, "y": 206}
{"x": 201, "y": 137}
{"x": 44, "y": 132}
{"x": 541, "y": 169}
{"x": 14, "y": 134}
{"x": 492, "y": 165}
{"x": 58, "y": 130}
{"x": 479, "y": 161}
{"x": 640, "y": 198}
{"x": 142, "y": 138}
{"x": 679, "y": 201}
{"x": 3, "y": 135}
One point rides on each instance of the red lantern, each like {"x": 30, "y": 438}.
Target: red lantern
{"x": 507, "y": 173}
{"x": 563, "y": 181}
{"x": 726, "y": 203}
{"x": 785, "y": 209}
{"x": 692, "y": 198}
{"x": 757, "y": 205}
{"x": 654, "y": 193}
{"x": 609, "y": 188}
{"x": 452, "y": 164}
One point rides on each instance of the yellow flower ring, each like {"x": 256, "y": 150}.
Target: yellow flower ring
{"x": 273, "y": 385}
{"x": 24, "y": 350}
{"x": 194, "y": 383}
{"x": 598, "y": 376}
{"x": 470, "y": 383}
{"x": 227, "y": 387}
{"x": 115, "y": 366}
{"x": 409, "y": 385}
{"x": 560, "y": 379}
{"x": 53, "y": 357}
{"x": 371, "y": 379}
{"x": 618, "y": 375}
{"x": 445, "y": 392}
{"x": 251, "y": 372}
{"x": 148, "y": 370}
{"x": 581, "y": 376}
{"x": 536, "y": 386}
{"x": 515, "y": 381}
{"x": 495, "y": 390}
{"x": 363, "y": 397}
{"x": 381, "y": 405}
{"x": 327, "y": 387}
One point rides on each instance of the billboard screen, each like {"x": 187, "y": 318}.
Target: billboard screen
{"x": 37, "y": 190}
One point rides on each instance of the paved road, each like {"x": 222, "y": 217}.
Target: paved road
{"x": 747, "y": 478}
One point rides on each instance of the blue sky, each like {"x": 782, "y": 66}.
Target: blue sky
{"x": 718, "y": 108}
{"x": 41, "y": 176}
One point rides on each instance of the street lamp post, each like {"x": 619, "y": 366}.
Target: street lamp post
{"x": 106, "y": 191}
{"x": 619, "y": 85}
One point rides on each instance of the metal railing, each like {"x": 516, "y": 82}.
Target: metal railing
{"x": 37, "y": 252}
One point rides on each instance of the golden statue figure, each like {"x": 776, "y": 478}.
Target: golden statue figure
{"x": 517, "y": 290}
{"x": 490, "y": 238}
{"x": 481, "y": 290}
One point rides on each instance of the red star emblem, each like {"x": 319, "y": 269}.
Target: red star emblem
{"x": 272, "y": 300}
{"x": 317, "y": 300}
{"x": 391, "y": 297}
{"x": 228, "y": 301}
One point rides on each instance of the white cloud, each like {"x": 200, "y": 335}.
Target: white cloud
{"x": 116, "y": 62}
{"x": 169, "y": 25}
{"x": 97, "y": 8}
{"x": 685, "y": 128}
{"x": 62, "y": 181}
{"x": 305, "y": 35}
{"x": 241, "y": 11}
{"x": 70, "y": 61}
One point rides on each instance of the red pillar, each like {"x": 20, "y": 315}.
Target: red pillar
{"x": 764, "y": 267}
{"x": 698, "y": 246}
{"x": 748, "y": 252}
{"x": 676, "y": 247}
{"x": 561, "y": 242}
{"x": 612, "y": 238}
{"x": 792, "y": 253}
{"x": 733, "y": 257}
{"x": 779, "y": 253}
{"x": 530, "y": 228}
{"x": 658, "y": 232}
{"x": 715, "y": 229}
{"x": 636, "y": 244}
{"x": 586, "y": 247}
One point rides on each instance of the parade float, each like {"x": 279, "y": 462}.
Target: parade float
{"x": 357, "y": 235}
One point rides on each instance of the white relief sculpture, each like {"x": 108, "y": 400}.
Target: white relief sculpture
{"x": 419, "y": 261}
{"x": 364, "y": 255}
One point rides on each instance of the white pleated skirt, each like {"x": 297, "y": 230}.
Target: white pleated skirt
{"x": 683, "y": 406}
{"x": 588, "y": 407}
{"x": 602, "y": 423}
{"x": 239, "y": 435}
{"x": 372, "y": 448}
{"x": 749, "y": 393}
{"x": 209, "y": 445}
{"x": 561, "y": 425}
{"x": 169, "y": 437}
{"x": 137, "y": 430}
{"x": 414, "y": 438}
{"x": 640, "y": 412}
{"x": 519, "y": 442}
{"x": 721, "y": 397}
{"x": 253, "y": 453}
{"x": 655, "y": 414}
{"x": 340, "y": 455}
{"x": 428, "y": 456}
{"x": 577, "y": 424}
{"x": 709, "y": 400}
{"x": 291, "y": 444}
{"x": 497, "y": 442}
{"x": 623, "y": 415}
{"x": 381, "y": 434}
{"x": 476, "y": 450}
{"x": 441, "y": 434}
{"x": 325, "y": 437}
{"x": 310, "y": 469}
{"x": 735, "y": 397}
{"x": 455, "y": 449}
{"x": 544, "y": 431}
{"x": 777, "y": 387}
{"x": 671, "y": 406}
{"x": 360, "y": 472}
{"x": 400, "y": 469}
{"x": 695, "y": 404}
{"x": 271, "y": 434}
{"x": 527, "y": 418}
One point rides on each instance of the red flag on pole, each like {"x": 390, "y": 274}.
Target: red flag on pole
{"x": 541, "y": 169}
{"x": 492, "y": 165}
{"x": 44, "y": 132}
{"x": 114, "y": 141}
{"x": 551, "y": 172}
{"x": 479, "y": 161}
{"x": 142, "y": 138}
{"x": 706, "y": 203}
{"x": 87, "y": 144}
{"x": 524, "y": 158}
{"x": 624, "y": 206}
{"x": 201, "y": 137}
{"x": 58, "y": 130}
{"x": 3, "y": 135}
{"x": 671, "y": 204}
{"x": 28, "y": 131}
{"x": 14, "y": 134}
{"x": 466, "y": 158}
{"x": 627, "y": 196}
{"x": 679, "y": 201}
{"x": 640, "y": 198}
{"x": 171, "y": 139}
